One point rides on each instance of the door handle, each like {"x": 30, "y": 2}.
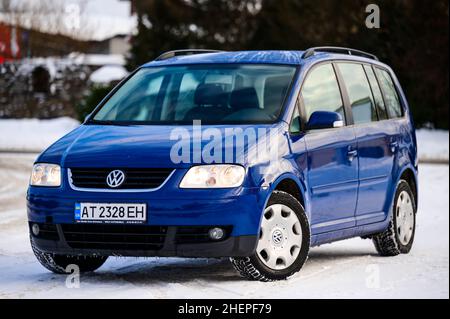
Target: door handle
{"x": 351, "y": 154}
{"x": 394, "y": 146}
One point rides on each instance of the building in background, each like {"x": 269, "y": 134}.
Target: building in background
{"x": 46, "y": 75}
{"x": 17, "y": 43}
{"x": 10, "y": 44}
{"x": 118, "y": 44}
{"x": 48, "y": 72}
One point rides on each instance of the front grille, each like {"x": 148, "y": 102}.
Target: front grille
{"x": 135, "y": 178}
{"x": 197, "y": 234}
{"x": 114, "y": 237}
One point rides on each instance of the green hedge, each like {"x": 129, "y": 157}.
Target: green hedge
{"x": 91, "y": 100}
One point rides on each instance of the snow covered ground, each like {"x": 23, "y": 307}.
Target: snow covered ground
{"x": 348, "y": 269}
{"x": 432, "y": 145}
{"x": 34, "y": 135}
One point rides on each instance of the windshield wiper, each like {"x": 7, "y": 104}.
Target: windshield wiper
{"x": 102, "y": 122}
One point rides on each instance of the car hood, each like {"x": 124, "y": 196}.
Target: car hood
{"x": 145, "y": 146}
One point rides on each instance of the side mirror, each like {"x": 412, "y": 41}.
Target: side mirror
{"x": 323, "y": 119}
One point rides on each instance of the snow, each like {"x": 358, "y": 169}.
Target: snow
{"x": 33, "y": 135}
{"x": 108, "y": 73}
{"x": 52, "y": 64}
{"x": 97, "y": 59}
{"x": 432, "y": 144}
{"x": 347, "y": 269}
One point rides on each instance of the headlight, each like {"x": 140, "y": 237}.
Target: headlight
{"x": 46, "y": 175}
{"x": 213, "y": 176}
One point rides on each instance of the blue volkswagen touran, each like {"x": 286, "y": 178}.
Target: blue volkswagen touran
{"x": 256, "y": 156}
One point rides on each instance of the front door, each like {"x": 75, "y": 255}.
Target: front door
{"x": 332, "y": 165}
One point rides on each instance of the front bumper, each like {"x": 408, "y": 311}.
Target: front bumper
{"x": 59, "y": 239}
{"x": 243, "y": 212}
{"x": 239, "y": 210}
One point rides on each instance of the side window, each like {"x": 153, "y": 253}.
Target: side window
{"x": 390, "y": 94}
{"x": 359, "y": 93}
{"x": 321, "y": 92}
{"x": 294, "y": 127}
{"x": 381, "y": 107}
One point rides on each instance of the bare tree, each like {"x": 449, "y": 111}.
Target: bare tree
{"x": 52, "y": 16}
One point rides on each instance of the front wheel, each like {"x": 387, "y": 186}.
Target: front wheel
{"x": 283, "y": 243}
{"x": 399, "y": 237}
{"x": 58, "y": 263}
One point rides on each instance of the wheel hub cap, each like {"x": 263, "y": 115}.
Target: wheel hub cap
{"x": 281, "y": 237}
{"x": 405, "y": 218}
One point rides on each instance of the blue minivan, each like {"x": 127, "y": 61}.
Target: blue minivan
{"x": 255, "y": 155}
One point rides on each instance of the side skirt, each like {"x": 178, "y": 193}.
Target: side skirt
{"x": 358, "y": 231}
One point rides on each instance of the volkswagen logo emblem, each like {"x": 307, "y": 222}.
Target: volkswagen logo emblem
{"x": 115, "y": 178}
{"x": 277, "y": 237}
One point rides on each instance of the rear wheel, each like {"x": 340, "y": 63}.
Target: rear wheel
{"x": 283, "y": 243}
{"x": 58, "y": 263}
{"x": 399, "y": 237}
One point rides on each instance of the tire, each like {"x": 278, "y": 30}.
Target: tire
{"x": 284, "y": 241}
{"x": 58, "y": 263}
{"x": 398, "y": 238}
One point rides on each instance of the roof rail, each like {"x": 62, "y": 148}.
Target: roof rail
{"x": 311, "y": 51}
{"x": 171, "y": 54}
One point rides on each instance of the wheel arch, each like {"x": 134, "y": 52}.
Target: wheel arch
{"x": 409, "y": 175}
{"x": 292, "y": 185}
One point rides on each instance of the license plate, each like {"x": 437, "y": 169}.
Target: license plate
{"x": 110, "y": 213}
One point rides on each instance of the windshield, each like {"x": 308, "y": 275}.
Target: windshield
{"x": 216, "y": 94}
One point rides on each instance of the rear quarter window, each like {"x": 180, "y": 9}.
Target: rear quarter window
{"x": 391, "y": 97}
{"x": 381, "y": 107}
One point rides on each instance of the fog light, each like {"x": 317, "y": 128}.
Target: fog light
{"x": 216, "y": 233}
{"x": 35, "y": 229}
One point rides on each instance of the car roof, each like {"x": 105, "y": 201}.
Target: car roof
{"x": 230, "y": 57}
{"x": 254, "y": 57}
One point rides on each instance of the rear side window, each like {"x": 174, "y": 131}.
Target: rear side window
{"x": 321, "y": 92}
{"x": 390, "y": 93}
{"x": 359, "y": 93}
{"x": 381, "y": 108}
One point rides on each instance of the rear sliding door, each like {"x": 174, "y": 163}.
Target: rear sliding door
{"x": 375, "y": 134}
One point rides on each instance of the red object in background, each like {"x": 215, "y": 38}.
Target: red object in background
{"x": 9, "y": 43}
